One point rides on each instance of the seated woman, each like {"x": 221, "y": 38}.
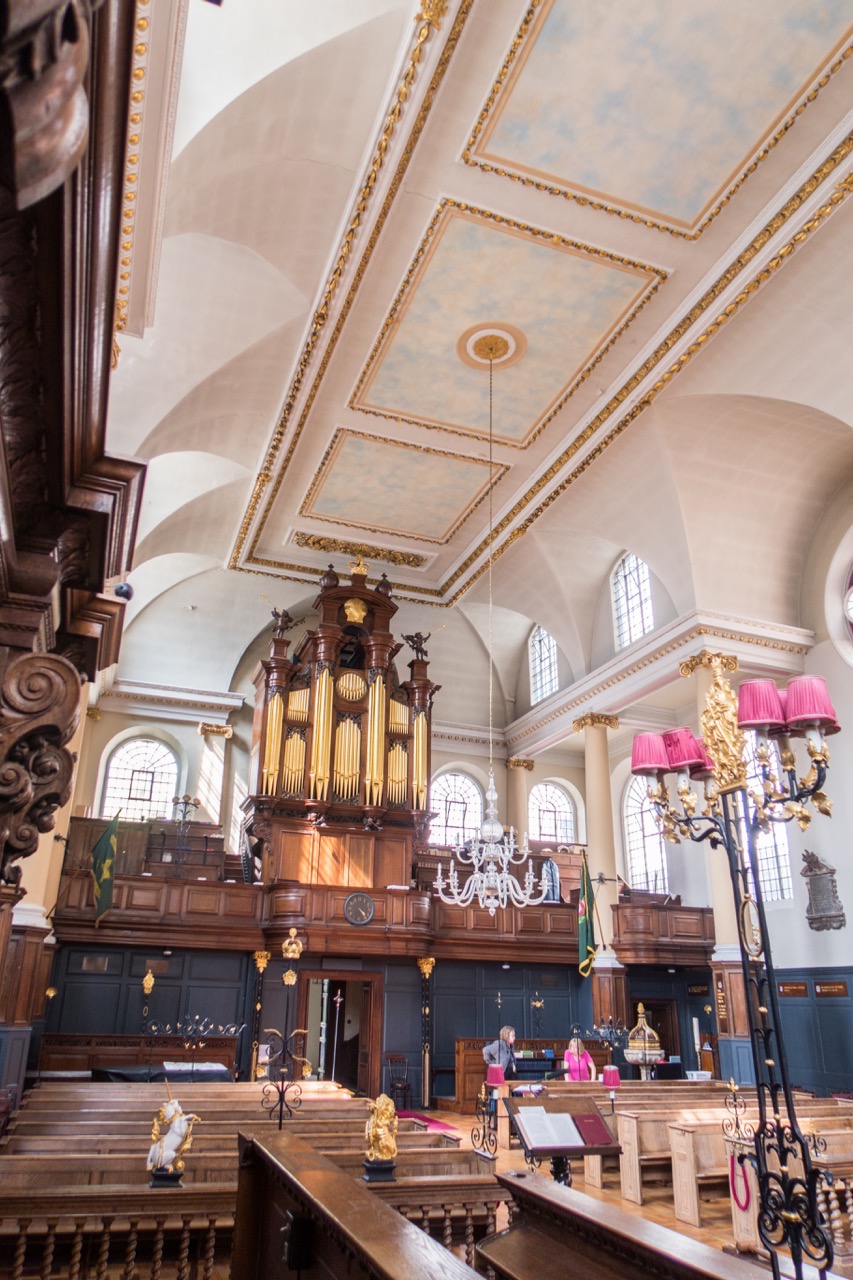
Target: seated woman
{"x": 579, "y": 1065}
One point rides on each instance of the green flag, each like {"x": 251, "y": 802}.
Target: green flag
{"x": 103, "y": 868}
{"x": 586, "y": 929}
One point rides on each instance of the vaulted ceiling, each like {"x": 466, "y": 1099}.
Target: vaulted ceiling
{"x": 648, "y": 201}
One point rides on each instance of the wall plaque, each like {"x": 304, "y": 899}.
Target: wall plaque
{"x": 722, "y": 1008}
{"x": 698, "y": 989}
{"x": 792, "y": 988}
{"x": 825, "y": 909}
{"x": 838, "y": 988}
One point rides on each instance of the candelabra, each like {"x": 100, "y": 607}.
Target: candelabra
{"x": 732, "y": 820}
{"x": 182, "y": 809}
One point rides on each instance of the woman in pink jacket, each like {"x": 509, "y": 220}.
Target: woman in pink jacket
{"x": 579, "y": 1065}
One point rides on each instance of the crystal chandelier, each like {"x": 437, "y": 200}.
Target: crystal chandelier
{"x": 493, "y": 856}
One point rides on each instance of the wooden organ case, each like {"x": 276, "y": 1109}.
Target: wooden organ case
{"x": 340, "y": 751}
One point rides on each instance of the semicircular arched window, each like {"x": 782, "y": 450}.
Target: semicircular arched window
{"x": 141, "y": 779}
{"x": 550, "y": 814}
{"x": 632, "y": 600}
{"x": 459, "y": 805}
{"x": 645, "y": 850}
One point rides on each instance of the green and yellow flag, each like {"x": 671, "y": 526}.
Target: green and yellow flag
{"x": 586, "y": 929}
{"x": 103, "y": 868}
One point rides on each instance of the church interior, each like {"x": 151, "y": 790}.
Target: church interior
{"x": 384, "y": 388}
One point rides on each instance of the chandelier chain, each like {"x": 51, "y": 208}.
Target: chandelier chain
{"x": 491, "y": 541}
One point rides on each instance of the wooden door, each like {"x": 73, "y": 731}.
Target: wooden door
{"x": 364, "y": 1042}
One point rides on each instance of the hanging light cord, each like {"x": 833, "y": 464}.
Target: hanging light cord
{"x": 491, "y": 540}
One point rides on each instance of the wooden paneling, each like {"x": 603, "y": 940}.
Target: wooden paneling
{"x": 332, "y": 862}
{"x": 663, "y": 933}
{"x": 359, "y": 862}
{"x": 82, "y": 1053}
{"x": 471, "y": 1066}
{"x": 391, "y": 862}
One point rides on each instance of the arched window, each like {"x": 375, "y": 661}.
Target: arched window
{"x": 772, "y": 856}
{"x": 542, "y": 650}
{"x": 141, "y": 779}
{"x": 632, "y": 600}
{"x": 459, "y": 804}
{"x": 645, "y": 851}
{"x": 550, "y": 814}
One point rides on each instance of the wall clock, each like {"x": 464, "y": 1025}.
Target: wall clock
{"x": 359, "y": 908}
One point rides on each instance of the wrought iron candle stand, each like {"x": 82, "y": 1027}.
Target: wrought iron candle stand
{"x": 283, "y": 1091}
{"x": 484, "y": 1135}
{"x": 732, "y": 820}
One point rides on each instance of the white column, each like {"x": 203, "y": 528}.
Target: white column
{"x": 517, "y": 794}
{"x": 599, "y": 816}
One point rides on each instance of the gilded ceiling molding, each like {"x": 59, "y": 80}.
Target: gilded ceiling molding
{"x": 789, "y": 209}
{"x": 497, "y": 474}
{"x": 532, "y": 233}
{"x": 706, "y": 658}
{"x": 518, "y": 762}
{"x": 430, "y": 13}
{"x": 615, "y": 210}
{"x": 594, "y": 720}
{"x": 131, "y": 163}
{"x": 328, "y": 546}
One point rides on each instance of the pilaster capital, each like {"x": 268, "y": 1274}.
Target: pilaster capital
{"x": 518, "y": 762}
{"x": 593, "y": 720}
{"x": 707, "y": 658}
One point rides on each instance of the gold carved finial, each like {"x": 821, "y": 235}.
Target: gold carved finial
{"x": 262, "y": 959}
{"x": 725, "y": 661}
{"x": 724, "y": 739}
{"x": 358, "y": 566}
{"x": 381, "y": 1129}
{"x": 595, "y": 719}
{"x": 148, "y": 983}
{"x": 292, "y": 948}
{"x": 518, "y": 762}
{"x": 426, "y": 964}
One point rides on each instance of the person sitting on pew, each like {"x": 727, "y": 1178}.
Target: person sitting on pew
{"x": 579, "y": 1065}
{"x": 500, "y": 1053}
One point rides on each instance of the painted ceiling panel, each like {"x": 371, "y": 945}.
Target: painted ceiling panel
{"x": 384, "y": 485}
{"x": 564, "y": 302}
{"x": 682, "y": 95}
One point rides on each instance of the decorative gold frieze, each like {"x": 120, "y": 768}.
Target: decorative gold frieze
{"x": 93, "y": 713}
{"x": 432, "y": 11}
{"x": 518, "y": 762}
{"x": 261, "y": 959}
{"x": 131, "y": 171}
{"x": 594, "y": 720}
{"x": 321, "y": 315}
{"x": 291, "y": 948}
{"x": 426, "y": 964}
{"x": 148, "y": 983}
{"x": 550, "y": 187}
{"x": 220, "y": 730}
{"x": 316, "y": 542}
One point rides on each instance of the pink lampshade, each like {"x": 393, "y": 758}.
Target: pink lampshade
{"x": 682, "y": 749}
{"x": 705, "y": 769}
{"x": 610, "y": 1077}
{"x": 779, "y": 730}
{"x": 759, "y": 705}
{"x": 828, "y": 729}
{"x": 809, "y": 702}
{"x": 648, "y": 754}
{"x": 494, "y": 1076}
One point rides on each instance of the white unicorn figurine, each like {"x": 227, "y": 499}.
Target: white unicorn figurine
{"x": 168, "y": 1148}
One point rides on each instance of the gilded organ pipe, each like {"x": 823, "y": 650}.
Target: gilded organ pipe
{"x": 419, "y": 762}
{"x": 347, "y": 754}
{"x": 272, "y": 746}
{"x": 397, "y": 765}
{"x": 293, "y": 772}
{"x": 297, "y": 705}
{"x": 398, "y": 717}
{"x": 321, "y": 742}
{"x": 374, "y": 778}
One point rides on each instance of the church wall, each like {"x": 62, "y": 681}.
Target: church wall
{"x": 818, "y": 1028}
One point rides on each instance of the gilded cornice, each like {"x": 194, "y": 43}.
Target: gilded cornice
{"x": 697, "y": 632}
{"x": 533, "y": 233}
{"x": 602, "y": 205}
{"x": 594, "y": 720}
{"x": 317, "y": 542}
{"x": 430, "y": 14}
{"x": 497, "y": 474}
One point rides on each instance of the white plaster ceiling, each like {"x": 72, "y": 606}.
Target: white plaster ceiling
{"x": 656, "y": 199}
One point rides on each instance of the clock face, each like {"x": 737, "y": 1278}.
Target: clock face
{"x": 359, "y": 908}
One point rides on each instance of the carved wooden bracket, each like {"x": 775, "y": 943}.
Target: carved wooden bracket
{"x": 39, "y": 711}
